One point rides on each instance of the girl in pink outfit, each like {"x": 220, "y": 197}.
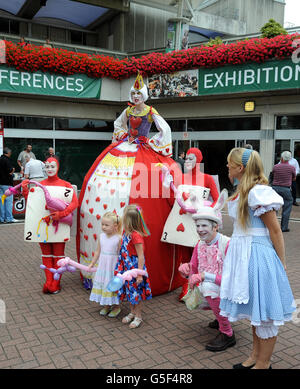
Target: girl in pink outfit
{"x": 205, "y": 268}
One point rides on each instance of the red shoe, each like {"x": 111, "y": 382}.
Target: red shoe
{"x": 54, "y": 288}
{"x": 184, "y": 291}
{"x": 46, "y": 288}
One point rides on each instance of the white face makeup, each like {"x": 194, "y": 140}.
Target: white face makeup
{"x": 137, "y": 98}
{"x": 51, "y": 168}
{"x": 205, "y": 229}
{"x": 190, "y": 162}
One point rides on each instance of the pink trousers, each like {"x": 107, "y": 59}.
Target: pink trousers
{"x": 224, "y": 324}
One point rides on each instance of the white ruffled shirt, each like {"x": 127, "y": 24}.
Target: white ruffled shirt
{"x": 235, "y": 281}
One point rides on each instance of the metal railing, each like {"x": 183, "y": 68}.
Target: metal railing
{"x": 119, "y": 54}
{"x": 66, "y": 46}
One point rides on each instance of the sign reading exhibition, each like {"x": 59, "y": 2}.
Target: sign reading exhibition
{"x": 40, "y": 83}
{"x": 253, "y": 77}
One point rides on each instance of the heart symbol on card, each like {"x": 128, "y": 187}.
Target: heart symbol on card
{"x": 90, "y": 225}
{"x": 97, "y": 199}
{"x": 180, "y": 228}
{"x": 95, "y": 236}
{"x": 91, "y": 210}
{"x": 104, "y": 206}
{"x": 98, "y": 217}
{"x": 86, "y": 237}
{"x": 185, "y": 196}
{"x": 182, "y": 212}
{"x": 122, "y": 204}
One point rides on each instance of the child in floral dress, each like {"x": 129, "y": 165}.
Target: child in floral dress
{"x": 132, "y": 257}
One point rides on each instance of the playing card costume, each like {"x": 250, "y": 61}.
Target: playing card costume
{"x": 48, "y": 219}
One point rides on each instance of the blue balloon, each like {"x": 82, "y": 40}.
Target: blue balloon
{"x": 114, "y": 284}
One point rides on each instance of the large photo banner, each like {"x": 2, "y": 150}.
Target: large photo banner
{"x": 178, "y": 84}
{"x": 252, "y": 77}
{"x": 40, "y": 83}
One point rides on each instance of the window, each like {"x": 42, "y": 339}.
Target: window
{"x": 4, "y": 25}
{"x": 28, "y": 122}
{"x": 177, "y": 125}
{"x": 90, "y": 125}
{"x": 288, "y": 122}
{"x": 76, "y": 157}
{"x": 225, "y": 124}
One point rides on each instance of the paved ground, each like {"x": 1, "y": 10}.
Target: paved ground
{"x": 65, "y": 330}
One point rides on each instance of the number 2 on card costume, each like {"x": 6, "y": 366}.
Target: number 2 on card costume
{"x": 121, "y": 175}
{"x": 52, "y": 220}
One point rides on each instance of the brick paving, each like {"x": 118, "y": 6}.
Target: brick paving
{"x": 65, "y": 331}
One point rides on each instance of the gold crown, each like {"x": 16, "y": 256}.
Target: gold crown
{"x": 139, "y": 82}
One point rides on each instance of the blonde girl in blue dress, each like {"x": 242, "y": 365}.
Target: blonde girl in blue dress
{"x": 254, "y": 281}
{"x": 106, "y": 254}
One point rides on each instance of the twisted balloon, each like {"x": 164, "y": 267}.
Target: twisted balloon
{"x": 117, "y": 281}
{"x": 67, "y": 264}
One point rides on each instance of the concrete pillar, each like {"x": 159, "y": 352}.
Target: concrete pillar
{"x": 267, "y": 141}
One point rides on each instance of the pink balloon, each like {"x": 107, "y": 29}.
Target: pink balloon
{"x": 65, "y": 262}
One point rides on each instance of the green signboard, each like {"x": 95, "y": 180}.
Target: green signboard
{"x": 39, "y": 83}
{"x": 253, "y": 77}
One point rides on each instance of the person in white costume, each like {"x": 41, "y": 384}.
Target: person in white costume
{"x": 254, "y": 281}
{"x": 205, "y": 268}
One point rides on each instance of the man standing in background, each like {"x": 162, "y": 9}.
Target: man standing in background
{"x": 34, "y": 169}
{"x": 21, "y": 158}
{"x": 6, "y": 180}
{"x": 283, "y": 176}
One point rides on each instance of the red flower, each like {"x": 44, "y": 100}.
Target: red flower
{"x": 36, "y": 58}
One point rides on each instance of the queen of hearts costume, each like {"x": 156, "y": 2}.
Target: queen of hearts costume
{"x": 125, "y": 173}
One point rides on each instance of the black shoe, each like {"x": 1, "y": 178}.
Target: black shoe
{"x": 297, "y": 205}
{"x": 240, "y": 366}
{"x": 214, "y": 324}
{"x": 221, "y": 342}
{"x": 287, "y": 230}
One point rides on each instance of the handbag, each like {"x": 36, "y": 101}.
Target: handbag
{"x": 193, "y": 298}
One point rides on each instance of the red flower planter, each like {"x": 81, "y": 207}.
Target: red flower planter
{"x": 33, "y": 58}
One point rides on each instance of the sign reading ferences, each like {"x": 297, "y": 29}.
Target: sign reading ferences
{"x": 40, "y": 83}
{"x": 272, "y": 75}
